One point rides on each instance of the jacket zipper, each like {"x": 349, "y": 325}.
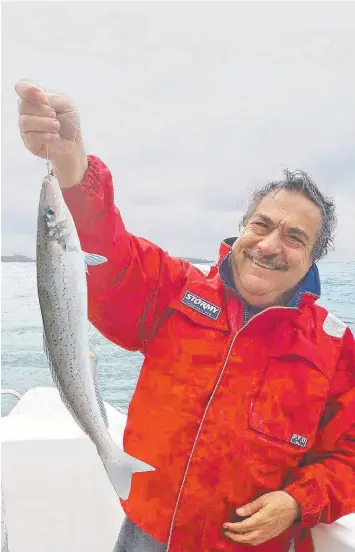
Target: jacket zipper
{"x": 205, "y": 414}
{"x": 196, "y": 439}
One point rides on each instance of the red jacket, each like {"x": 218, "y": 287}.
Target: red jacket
{"x": 224, "y": 412}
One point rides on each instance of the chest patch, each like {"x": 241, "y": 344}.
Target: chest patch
{"x": 298, "y": 440}
{"x": 201, "y": 305}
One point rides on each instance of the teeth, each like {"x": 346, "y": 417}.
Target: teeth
{"x": 258, "y": 264}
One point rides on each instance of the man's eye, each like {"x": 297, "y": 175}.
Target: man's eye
{"x": 296, "y": 239}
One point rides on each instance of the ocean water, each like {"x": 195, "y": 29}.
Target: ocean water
{"x": 24, "y": 364}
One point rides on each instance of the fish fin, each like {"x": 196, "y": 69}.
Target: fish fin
{"x": 91, "y": 259}
{"x": 121, "y": 469}
{"x": 93, "y": 363}
{"x": 57, "y": 382}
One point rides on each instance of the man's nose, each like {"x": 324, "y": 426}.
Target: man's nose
{"x": 270, "y": 244}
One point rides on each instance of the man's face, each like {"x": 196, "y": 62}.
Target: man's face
{"x": 275, "y": 250}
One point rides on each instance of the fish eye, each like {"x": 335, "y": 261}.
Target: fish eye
{"x": 48, "y": 212}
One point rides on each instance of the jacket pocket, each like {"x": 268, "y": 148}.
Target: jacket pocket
{"x": 292, "y": 394}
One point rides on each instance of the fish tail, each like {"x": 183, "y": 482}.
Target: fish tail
{"x": 121, "y": 469}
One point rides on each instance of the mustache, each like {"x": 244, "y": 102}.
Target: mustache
{"x": 269, "y": 261}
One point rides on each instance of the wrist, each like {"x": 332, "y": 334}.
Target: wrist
{"x": 296, "y": 507}
{"x": 70, "y": 168}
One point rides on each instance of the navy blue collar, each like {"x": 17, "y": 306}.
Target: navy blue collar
{"x": 310, "y": 283}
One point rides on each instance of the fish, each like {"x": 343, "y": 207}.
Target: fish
{"x": 62, "y": 271}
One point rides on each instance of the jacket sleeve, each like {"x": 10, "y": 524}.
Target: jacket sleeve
{"x": 128, "y": 295}
{"x": 324, "y": 485}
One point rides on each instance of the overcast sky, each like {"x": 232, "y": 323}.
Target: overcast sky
{"x": 191, "y": 105}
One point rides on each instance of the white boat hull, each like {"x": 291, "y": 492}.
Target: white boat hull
{"x": 56, "y": 494}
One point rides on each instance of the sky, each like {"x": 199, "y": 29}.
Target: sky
{"x": 191, "y": 105}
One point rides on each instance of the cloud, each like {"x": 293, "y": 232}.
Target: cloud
{"x": 191, "y": 105}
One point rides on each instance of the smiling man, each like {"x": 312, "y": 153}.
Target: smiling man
{"x": 288, "y": 226}
{"x": 245, "y": 403}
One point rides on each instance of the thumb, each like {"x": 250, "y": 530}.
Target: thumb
{"x": 250, "y": 508}
{"x": 30, "y": 92}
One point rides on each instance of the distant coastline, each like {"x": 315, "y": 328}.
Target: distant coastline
{"x": 16, "y": 259}
{"x": 195, "y": 260}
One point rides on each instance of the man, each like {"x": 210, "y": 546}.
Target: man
{"x": 245, "y": 403}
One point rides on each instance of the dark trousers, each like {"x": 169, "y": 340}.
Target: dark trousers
{"x": 133, "y": 539}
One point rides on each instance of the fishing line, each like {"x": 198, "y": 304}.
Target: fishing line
{"x": 48, "y": 162}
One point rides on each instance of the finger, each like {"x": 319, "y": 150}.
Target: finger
{"x": 253, "y": 538}
{"x": 41, "y": 110}
{"x": 59, "y": 102}
{"x": 251, "y": 508}
{"x": 32, "y": 123}
{"x": 40, "y": 144}
{"x": 40, "y": 138}
{"x": 254, "y": 522}
{"x": 30, "y": 92}
{"x": 36, "y": 95}
{"x": 36, "y": 142}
